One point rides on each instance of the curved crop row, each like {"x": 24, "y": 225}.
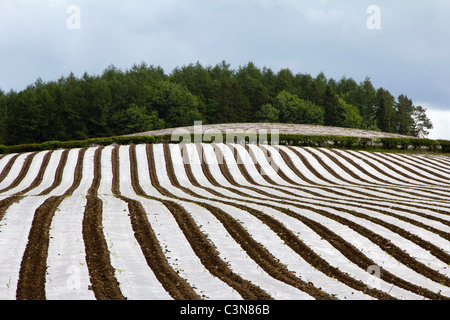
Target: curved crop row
{"x": 223, "y": 221}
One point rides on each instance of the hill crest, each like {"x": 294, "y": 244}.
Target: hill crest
{"x": 283, "y": 128}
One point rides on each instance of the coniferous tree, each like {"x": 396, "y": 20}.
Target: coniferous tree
{"x": 315, "y": 95}
{"x": 96, "y": 110}
{"x": 421, "y": 124}
{"x": 115, "y": 80}
{"x": 385, "y": 110}
{"x": 24, "y": 116}
{"x": 285, "y": 81}
{"x": 330, "y": 104}
{"x": 366, "y": 101}
{"x": 144, "y": 98}
{"x": 72, "y": 103}
{"x": 322, "y": 83}
{"x": 221, "y": 71}
{"x": 3, "y": 117}
{"x": 347, "y": 87}
{"x": 197, "y": 79}
{"x": 249, "y": 81}
{"x": 231, "y": 105}
{"x": 268, "y": 78}
{"x": 362, "y": 96}
{"x": 404, "y": 113}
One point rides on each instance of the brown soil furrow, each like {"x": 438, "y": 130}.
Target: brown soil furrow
{"x": 287, "y": 159}
{"x": 405, "y": 194}
{"x": 343, "y": 155}
{"x": 258, "y": 167}
{"x": 356, "y": 206}
{"x": 395, "y": 189}
{"x": 32, "y": 276}
{"x": 262, "y": 256}
{"x": 23, "y": 172}
{"x": 310, "y": 166}
{"x": 383, "y": 243}
{"x": 435, "y": 162}
{"x": 332, "y": 172}
{"x": 429, "y": 187}
{"x": 286, "y": 235}
{"x": 102, "y": 274}
{"x": 381, "y": 208}
{"x": 8, "y": 167}
{"x": 277, "y": 169}
{"x": 400, "y": 199}
{"x": 390, "y": 248}
{"x": 362, "y": 169}
{"x": 422, "y": 165}
{"x": 435, "y": 250}
{"x": 413, "y": 196}
{"x": 410, "y": 262}
{"x": 59, "y": 172}
{"x": 366, "y": 195}
{"x": 351, "y": 170}
{"x": 438, "y": 190}
{"x": 31, "y": 284}
{"x": 201, "y": 245}
{"x": 361, "y": 194}
{"x": 254, "y": 249}
{"x": 6, "y": 203}
{"x": 209, "y": 256}
{"x": 226, "y": 174}
{"x": 333, "y": 203}
{"x": 294, "y": 185}
{"x": 370, "y": 207}
{"x": 378, "y": 164}
{"x": 78, "y": 175}
{"x": 393, "y": 164}
{"x": 241, "y": 165}
{"x": 412, "y": 192}
{"x": 254, "y": 185}
{"x": 356, "y": 256}
{"x": 175, "y": 285}
{"x": 40, "y": 175}
{"x": 306, "y": 189}
{"x": 388, "y": 277}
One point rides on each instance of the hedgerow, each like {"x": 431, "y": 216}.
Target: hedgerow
{"x": 387, "y": 143}
{"x": 445, "y": 145}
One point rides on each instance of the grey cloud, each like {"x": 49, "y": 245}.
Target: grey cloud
{"x": 408, "y": 55}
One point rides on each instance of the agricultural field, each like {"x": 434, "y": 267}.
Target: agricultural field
{"x": 283, "y": 128}
{"x": 224, "y": 221}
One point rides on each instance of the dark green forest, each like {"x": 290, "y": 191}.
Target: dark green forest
{"x": 145, "y": 98}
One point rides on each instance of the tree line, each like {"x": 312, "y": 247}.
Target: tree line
{"x": 145, "y": 98}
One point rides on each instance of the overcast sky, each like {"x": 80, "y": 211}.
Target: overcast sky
{"x": 403, "y": 46}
